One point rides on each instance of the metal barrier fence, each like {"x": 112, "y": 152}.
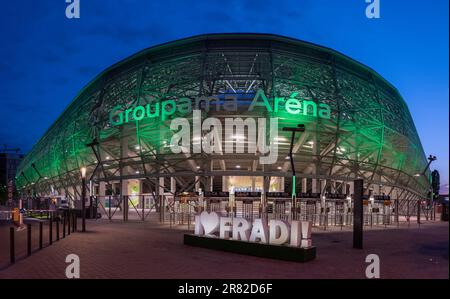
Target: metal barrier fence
{"x": 181, "y": 209}
{"x": 323, "y": 214}
{"x": 59, "y": 224}
{"x": 6, "y": 215}
{"x": 119, "y": 207}
{"x": 42, "y": 214}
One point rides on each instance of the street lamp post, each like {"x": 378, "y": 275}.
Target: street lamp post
{"x": 431, "y": 158}
{"x": 83, "y": 199}
{"x": 299, "y": 128}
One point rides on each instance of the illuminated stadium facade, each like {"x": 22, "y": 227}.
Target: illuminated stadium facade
{"x": 119, "y": 126}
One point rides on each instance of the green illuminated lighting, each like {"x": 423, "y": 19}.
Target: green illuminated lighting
{"x": 356, "y": 119}
{"x": 294, "y": 183}
{"x": 293, "y": 106}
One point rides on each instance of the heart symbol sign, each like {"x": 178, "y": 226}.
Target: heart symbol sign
{"x": 210, "y": 222}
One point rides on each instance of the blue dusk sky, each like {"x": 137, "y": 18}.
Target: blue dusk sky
{"x": 46, "y": 58}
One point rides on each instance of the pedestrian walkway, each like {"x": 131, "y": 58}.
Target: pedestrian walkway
{"x": 151, "y": 250}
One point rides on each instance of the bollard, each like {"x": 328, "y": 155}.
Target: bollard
{"x": 57, "y": 228}
{"x": 50, "y": 231}
{"x": 91, "y": 207}
{"x": 64, "y": 226}
{"x": 358, "y": 216}
{"x": 396, "y": 212}
{"x": 40, "y": 235}
{"x": 12, "y": 251}
{"x": 29, "y": 239}
{"x": 189, "y": 221}
{"x": 418, "y": 212}
{"x": 109, "y": 207}
{"x": 73, "y": 222}
{"x": 68, "y": 222}
{"x": 143, "y": 206}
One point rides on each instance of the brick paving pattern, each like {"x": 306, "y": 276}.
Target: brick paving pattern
{"x": 151, "y": 250}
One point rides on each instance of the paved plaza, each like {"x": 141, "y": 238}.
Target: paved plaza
{"x": 151, "y": 250}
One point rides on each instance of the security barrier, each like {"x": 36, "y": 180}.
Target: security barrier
{"x": 59, "y": 225}
{"x": 322, "y": 210}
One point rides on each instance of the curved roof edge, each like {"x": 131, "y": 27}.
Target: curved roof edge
{"x": 243, "y": 35}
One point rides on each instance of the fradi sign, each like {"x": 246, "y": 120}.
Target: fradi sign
{"x": 276, "y": 239}
{"x": 275, "y": 232}
{"x": 163, "y": 109}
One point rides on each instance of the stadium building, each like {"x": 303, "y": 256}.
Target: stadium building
{"x": 121, "y": 128}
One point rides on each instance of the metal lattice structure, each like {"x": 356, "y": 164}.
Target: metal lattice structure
{"x": 370, "y": 134}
